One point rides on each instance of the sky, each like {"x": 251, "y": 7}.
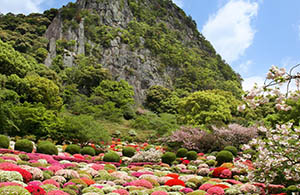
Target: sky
{"x": 250, "y": 35}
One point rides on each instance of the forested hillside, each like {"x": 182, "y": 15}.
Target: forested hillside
{"x": 101, "y": 66}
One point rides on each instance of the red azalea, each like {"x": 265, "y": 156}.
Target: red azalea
{"x": 186, "y": 162}
{"x": 175, "y": 182}
{"x": 200, "y": 154}
{"x": 119, "y": 140}
{"x": 25, "y": 174}
{"x": 36, "y": 190}
{"x": 173, "y": 175}
{"x": 120, "y": 161}
{"x": 280, "y": 194}
{"x": 217, "y": 171}
{"x": 221, "y": 186}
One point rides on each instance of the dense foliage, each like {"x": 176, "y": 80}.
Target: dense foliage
{"x": 72, "y": 103}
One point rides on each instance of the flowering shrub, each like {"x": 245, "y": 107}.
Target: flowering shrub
{"x": 10, "y": 176}
{"x": 140, "y": 183}
{"x": 193, "y": 139}
{"x": 67, "y": 173}
{"x": 14, "y": 190}
{"x": 235, "y": 134}
{"x": 25, "y": 174}
{"x": 175, "y": 182}
{"x": 35, "y": 190}
{"x": 216, "y": 191}
{"x": 150, "y": 155}
{"x": 57, "y": 192}
{"x": 9, "y": 184}
{"x": 121, "y": 192}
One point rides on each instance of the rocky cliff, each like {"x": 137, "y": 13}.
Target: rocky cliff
{"x": 145, "y": 42}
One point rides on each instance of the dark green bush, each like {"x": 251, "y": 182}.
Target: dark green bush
{"x": 181, "y": 152}
{"x": 249, "y": 151}
{"x": 24, "y": 145}
{"x": 168, "y": 157}
{"x": 88, "y": 150}
{"x": 128, "y": 151}
{"x": 4, "y": 141}
{"x": 191, "y": 155}
{"x": 111, "y": 157}
{"x": 46, "y": 147}
{"x": 224, "y": 156}
{"x": 231, "y": 149}
{"x": 73, "y": 149}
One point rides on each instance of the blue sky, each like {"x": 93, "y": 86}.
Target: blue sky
{"x": 251, "y": 35}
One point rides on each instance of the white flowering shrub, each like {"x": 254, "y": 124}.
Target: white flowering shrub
{"x": 6, "y": 176}
{"x": 150, "y": 155}
{"x": 278, "y": 156}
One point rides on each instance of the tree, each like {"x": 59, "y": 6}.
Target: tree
{"x": 119, "y": 92}
{"x": 161, "y": 100}
{"x": 12, "y": 62}
{"x": 36, "y": 89}
{"x": 204, "y": 107}
{"x": 87, "y": 74}
{"x": 277, "y": 159}
{"x": 83, "y": 128}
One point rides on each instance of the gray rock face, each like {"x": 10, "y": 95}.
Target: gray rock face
{"x": 139, "y": 68}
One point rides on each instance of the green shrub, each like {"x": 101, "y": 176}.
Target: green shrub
{"x": 111, "y": 157}
{"x": 4, "y": 141}
{"x": 224, "y": 156}
{"x": 46, "y": 147}
{"x": 181, "y": 152}
{"x": 73, "y": 149}
{"x": 168, "y": 157}
{"x": 231, "y": 149}
{"x": 24, "y": 145}
{"x": 88, "y": 150}
{"x": 191, "y": 155}
{"x": 128, "y": 151}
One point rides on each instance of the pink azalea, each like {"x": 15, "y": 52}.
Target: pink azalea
{"x": 57, "y": 192}
{"x": 51, "y": 181}
{"x": 97, "y": 167}
{"x": 159, "y": 193}
{"x": 6, "y": 165}
{"x": 226, "y": 174}
{"x": 205, "y": 186}
{"x": 232, "y": 181}
{"x": 121, "y": 192}
{"x": 35, "y": 183}
{"x": 140, "y": 183}
{"x": 216, "y": 191}
{"x": 3, "y": 184}
{"x": 186, "y": 190}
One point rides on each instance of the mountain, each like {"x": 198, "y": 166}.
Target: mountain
{"x": 145, "y": 42}
{"x": 72, "y": 73}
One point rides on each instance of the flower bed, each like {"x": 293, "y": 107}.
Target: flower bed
{"x": 82, "y": 174}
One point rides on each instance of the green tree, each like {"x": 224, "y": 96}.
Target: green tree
{"x": 83, "y": 128}
{"x": 87, "y": 74}
{"x": 29, "y": 119}
{"x": 12, "y": 62}
{"x": 36, "y": 89}
{"x": 119, "y": 92}
{"x": 203, "y": 108}
{"x": 161, "y": 100}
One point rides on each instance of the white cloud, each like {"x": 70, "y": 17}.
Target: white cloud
{"x": 244, "y": 67}
{"x": 230, "y": 30}
{"x": 249, "y": 82}
{"x": 18, "y": 6}
{"x": 179, "y": 3}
